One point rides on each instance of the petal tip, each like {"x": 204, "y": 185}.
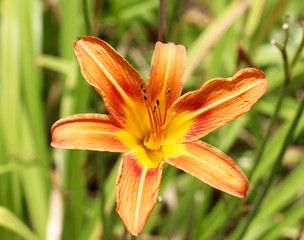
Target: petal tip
{"x": 241, "y": 189}
{"x": 243, "y": 193}
{"x": 251, "y": 73}
{"x": 137, "y": 190}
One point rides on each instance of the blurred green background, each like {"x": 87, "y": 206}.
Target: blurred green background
{"x": 48, "y": 193}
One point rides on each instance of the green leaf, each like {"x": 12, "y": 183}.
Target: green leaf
{"x": 10, "y": 221}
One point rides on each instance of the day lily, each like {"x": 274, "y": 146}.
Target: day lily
{"x": 152, "y": 124}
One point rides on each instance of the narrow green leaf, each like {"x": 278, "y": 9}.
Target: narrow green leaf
{"x": 7, "y": 168}
{"x": 289, "y": 218}
{"x": 279, "y": 198}
{"x": 255, "y": 15}
{"x": 10, "y": 221}
{"x": 212, "y": 34}
{"x": 54, "y": 63}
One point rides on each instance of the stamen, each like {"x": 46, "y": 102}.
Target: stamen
{"x": 166, "y": 108}
{"x": 155, "y": 137}
{"x": 158, "y": 113}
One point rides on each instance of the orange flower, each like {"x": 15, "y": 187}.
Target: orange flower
{"x": 151, "y": 124}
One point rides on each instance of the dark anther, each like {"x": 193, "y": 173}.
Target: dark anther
{"x": 141, "y": 86}
{"x": 157, "y": 102}
{"x": 145, "y": 97}
{"x": 168, "y": 91}
{"x": 154, "y": 108}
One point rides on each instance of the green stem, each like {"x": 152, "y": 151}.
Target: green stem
{"x": 98, "y": 4}
{"x": 172, "y": 12}
{"x": 298, "y": 53}
{"x": 283, "y": 50}
{"x": 104, "y": 217}
{"x": 162, "y": 21}
{"x": 275, "y": 168}
{"x": 233, "y": 204}
{"x": 86, "y": 17}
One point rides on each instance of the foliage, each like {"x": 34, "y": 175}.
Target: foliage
{"x": 48, "y": 193}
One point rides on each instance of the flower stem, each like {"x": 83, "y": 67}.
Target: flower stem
{"x": 86, "y": 17}
{"x": 298, "y": 52}
{"x": 104, "y": 218}
{"x": 162, "y": 21}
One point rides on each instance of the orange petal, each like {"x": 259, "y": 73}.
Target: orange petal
{"x": 113, "y": 78}
{"x": 137, "y": 191}
{"x": 209, "y": 165}
{"x": 167, "y": 70}
{"x": 91, "y": 131}
{"x": 218, "y": 102}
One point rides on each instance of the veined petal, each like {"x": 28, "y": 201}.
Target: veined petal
{"x": 114, "y": 79}
{"x": 92, "y": 132}
{"x": 167, "y": 70}
{"x": 209, "y": 165}
{"x": 137, "y": 191}
{"x": 218, "y": 102}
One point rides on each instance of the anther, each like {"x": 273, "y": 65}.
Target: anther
{"x": 157, "y": 102}
{"x": 168, "y": 91}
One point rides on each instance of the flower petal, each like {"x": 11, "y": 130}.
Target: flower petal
{"x": 92, "y": 132}
{"x": 167, "y": 70}
{"x": 209, "y": 165}
{"x": 218, "y": 102}
{"x": 137, "y": 192}
{"x": 113, "y": 78}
